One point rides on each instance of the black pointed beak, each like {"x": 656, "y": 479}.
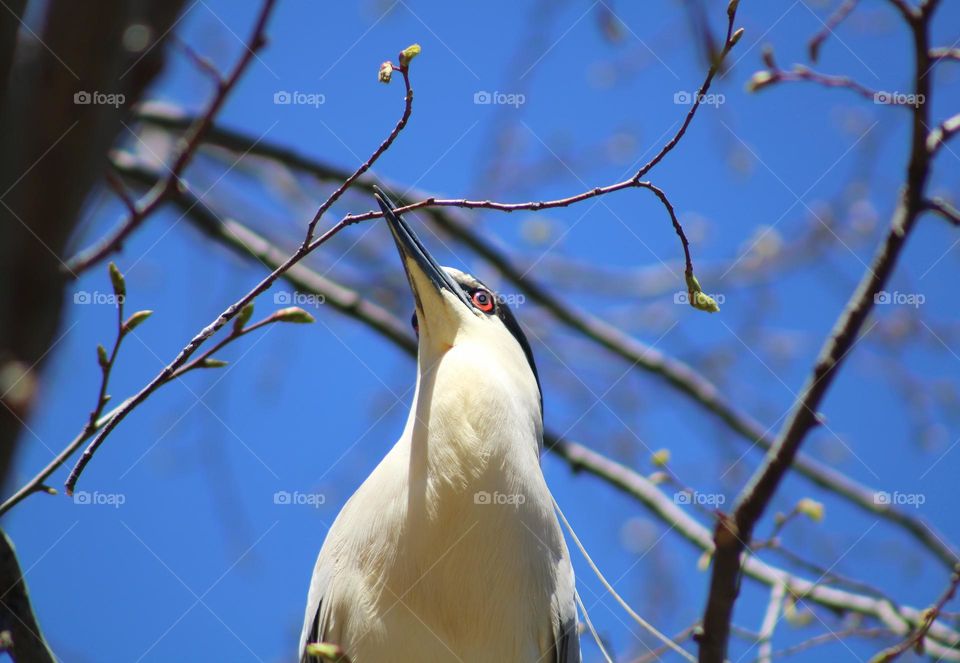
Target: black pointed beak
{"x": 412, "y": 250}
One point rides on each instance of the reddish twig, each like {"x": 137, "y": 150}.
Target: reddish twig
{"x": 201, "y": 62}
{"x": 836, "y": 18}
{"x": 180, "y": 361}
{"x": 156, "y": 197}
{"x": 106, "y": 361}
{"x": 916, "y": 638}
{"x": 805, "y": 74}
{"x": 310, "y": 242}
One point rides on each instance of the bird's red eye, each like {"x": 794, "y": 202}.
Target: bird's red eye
{"x": 483, "y": 300}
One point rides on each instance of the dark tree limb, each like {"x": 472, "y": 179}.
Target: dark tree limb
{"x": 735, "y": 532}
{"x": 51, "y": 140}
{"x": 25, "y": 643}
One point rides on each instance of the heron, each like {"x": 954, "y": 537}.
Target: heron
{"x": 451, "y": 549}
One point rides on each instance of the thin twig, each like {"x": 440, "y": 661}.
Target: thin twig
{"x": 832, "y": 636}
{"x": 106, "y": 361}
{"x": 916, "y": 639}
{"x": 937, "y": 54}
{"x": 234, "y": 309}
{"x": 944, "y": 132}
{"x": 155, "y": 198}
{"x": 770, "y": 619}
{"x": 836, "y": 18}
{"x": 800, "y": 73}
{"x": 944, "y": 209}
{"x": 97, "y": 419}
{"x": 310, "y": 243}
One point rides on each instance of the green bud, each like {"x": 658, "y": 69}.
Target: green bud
{"x": 760, "y": 80}
{"x": 661, "y": 457}
{"x": 134, "y": 320}
{"x": 242, "y": 318}
{"x": 292, "y": 314}
{"x": 328, "y": 652}
{"x": 794, "y": 616}
{"x": 407, "y": 54}
{"x": 704, "y": 302}
{"x": 732, "y": 7}
{"x": 812, "y": 509}
{"x": 735, "y": 37}
{"x": 210, "y": 362}
{"x": 102, "y": 358}
{"x": 116, "y": 278}
{"x": 698, "y": 298}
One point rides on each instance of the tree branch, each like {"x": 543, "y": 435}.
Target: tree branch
{"x": 155, "y": 198}
{"x": 679, "y": 375}
{"x": 944, "y": 209}
{"x": 16, "y": 614}
{"x": 734, "y": 533}
{"x": 898, "y": 619}
{"x": 916, "y": 639}
{"x": 234, "y": 309}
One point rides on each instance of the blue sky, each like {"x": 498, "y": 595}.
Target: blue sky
{"x": 199, "y": 563}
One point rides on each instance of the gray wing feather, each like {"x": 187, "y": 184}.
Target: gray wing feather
{"x": 566, "y": 630}
{"x": 568, "y": 640}
{"x": 313, "y": 627}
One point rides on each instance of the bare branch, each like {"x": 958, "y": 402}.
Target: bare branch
{"x": 770, "y": 620}
{"x": 675, "y": 373}
{"x": 233, "y": 310}
{"x": 944, "y": 209}
{"x": 734, "y": 533}
{"x": 944, "y": 53}
{"x": 801, "y": 73}
{"x": 916, "y": 638}
{"x": 940, "y": 135}
{"x": 155, "y": 198}
{"x": 835, "y": 19}
{"x": 16, "y": 614}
